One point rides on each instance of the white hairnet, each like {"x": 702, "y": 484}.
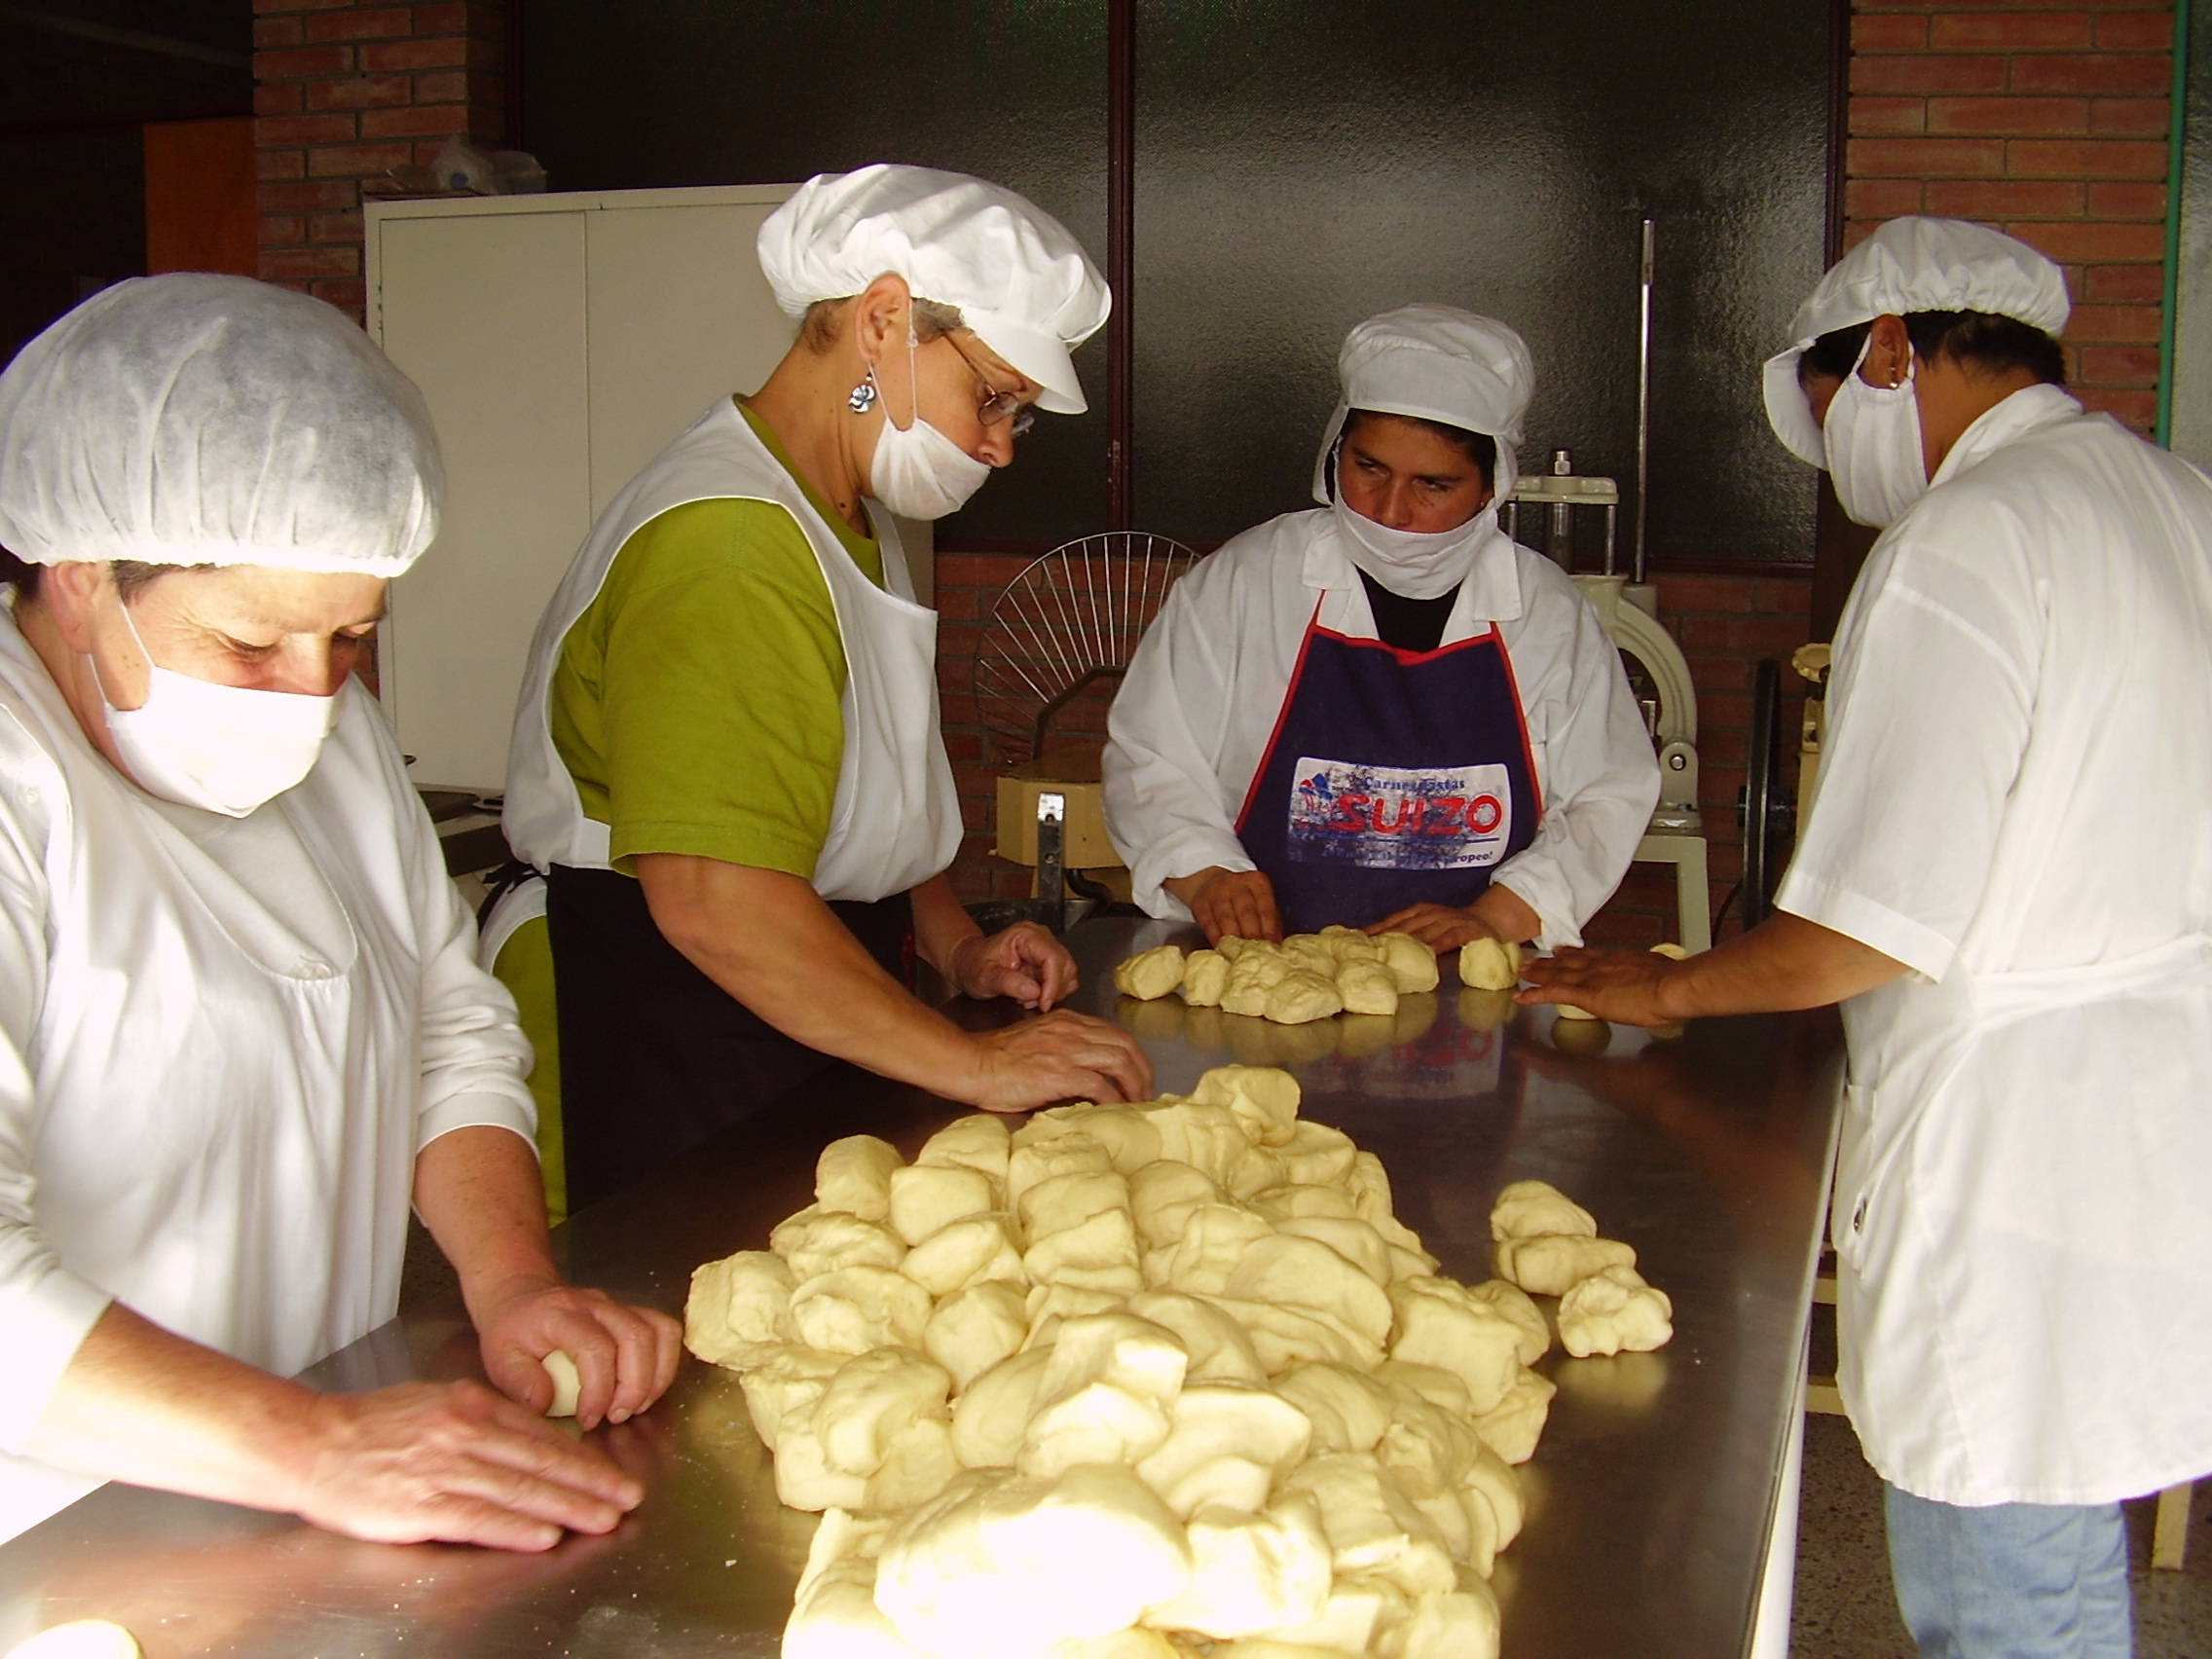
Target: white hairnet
{"x": 201, "y": 419}
{"x": 1020, "y": 279}
{"x": 1912, "y": 263}
{"x": 1435, "y": 363}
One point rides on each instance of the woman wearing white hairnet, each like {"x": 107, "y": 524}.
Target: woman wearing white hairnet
{"x": 727, "y": 759}
{"x": 241, "y": 1022}
{"x": 2005, "y": 878}
{"x": 1382, "y": 713}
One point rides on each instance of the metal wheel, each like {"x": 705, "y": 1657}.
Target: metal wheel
{"x": 1767, "y": 812}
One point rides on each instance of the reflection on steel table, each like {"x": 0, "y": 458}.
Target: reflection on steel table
{"x": 1648, "y": 1500}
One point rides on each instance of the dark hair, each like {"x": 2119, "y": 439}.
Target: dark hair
{"x": 1983, "y": 341}
{"x": 132, "y": 577}
{"x": 1478, "y": 447}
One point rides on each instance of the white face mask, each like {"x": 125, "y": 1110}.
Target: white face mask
{"x": 1416, "y": 564}
{"x": 1872, "y": 434}
{"x": 917, "y": 471}
{"x": 222, "y": 748}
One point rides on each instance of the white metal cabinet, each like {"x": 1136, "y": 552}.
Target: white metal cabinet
{"x": 562, "y": 342}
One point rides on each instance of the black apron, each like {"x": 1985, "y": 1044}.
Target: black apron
{"x": 655, "y": 1057}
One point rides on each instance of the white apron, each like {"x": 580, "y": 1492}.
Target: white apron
{"x": 222, "y": 1043}
{"x": 896, "y": 819}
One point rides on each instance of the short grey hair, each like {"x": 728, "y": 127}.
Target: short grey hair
{"x": 820, "y": 327}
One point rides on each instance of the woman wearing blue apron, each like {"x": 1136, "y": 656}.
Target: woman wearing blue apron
{"x": 1382, "y": 712}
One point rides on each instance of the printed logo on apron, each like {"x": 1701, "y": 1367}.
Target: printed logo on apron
{"x": 1400, "y": 817}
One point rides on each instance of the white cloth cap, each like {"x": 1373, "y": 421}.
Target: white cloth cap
{"x": 1020, "y": 279}
{"x": 1435, "y": 363}
{"x": 1913, "y": 264}
{"x": 201, "y": 420}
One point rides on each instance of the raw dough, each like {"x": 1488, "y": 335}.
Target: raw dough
{"x": 977, "y": 1141}
{"x": 561, "y": 1366}
{"x": 1300, "y": 996}
{"x": 1206, "y": 975}
{"x": 1550, "y": 1264}
{"x": 1489, "y": 965}
{"x": 79, "y": 1639}
{"x": 1439, "y": 1324}
{"x": 1162, "y": 1197}
{"x": 925, "y": 1198}
{"x": 1514, "y": 1427}
{"x": 1367, "y": 987}
{"x": 736, "y": 1304}
{"x": 1614, "y": 1311}
{"x": 1150, "y": 972}
{"x": 854, "y": 1175}
{"x": 817, "y": 1242}
{"x": 1525, "y": 1210}
{"x": 1252, "y": 1572}
{"x": 1513, "y": 1302}
{"x": 1264, "y": 1099}
{"x": 1411, "y": 963}
{"x": 857, "y": 1308}
{"x": 965, "y": 1252}
{"x": 976, "y": 1328}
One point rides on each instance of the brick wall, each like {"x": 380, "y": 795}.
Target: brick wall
{"x": 2047, "y": 121}
{"x": 346, "y": 91}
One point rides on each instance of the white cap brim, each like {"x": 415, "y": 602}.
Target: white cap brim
{"x": 1042, "y": 357}
{"x": 1789, "y": 412}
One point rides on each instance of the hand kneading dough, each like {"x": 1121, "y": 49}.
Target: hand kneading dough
{"x": 1300, "y": 996}
{"x": 1489, "y": 965}
{"x": 1000, "y": 1568}
{"x": 568, "y": 1385}
{"x": 1551, "y": 1264}
{"x": 854, "y": 1175}
{"x": 1150, "y": 972}
{"x": 1206, "y": 975}
{"x": 925, "y": 1198}
{"x": 1367, "y": 987}
{"x": 977, "y": 1141}
{"x": 1614, "y": 1311}
{"x": 736, "y": 1303}
{"x": 1527, "y": 1208}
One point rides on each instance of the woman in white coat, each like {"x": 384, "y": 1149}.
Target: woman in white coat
{"x": 240, "y": 1023}
{"x": 2006, "y": 880}
{"x": 1382, "y": 712}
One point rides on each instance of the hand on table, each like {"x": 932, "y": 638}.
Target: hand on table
{"x": 1024, "y": 962}
{"x": 1440, "y": 926}
{"x": 1057, "y": 1057}
{"x": 1624, "y": 986}
{"x": 625, "y": 1356}
{"x": 453, "y": 1462}
{"x": 1223, "y": 901}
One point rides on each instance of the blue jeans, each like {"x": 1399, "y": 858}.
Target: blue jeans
{"x": 2012, "y": 1581}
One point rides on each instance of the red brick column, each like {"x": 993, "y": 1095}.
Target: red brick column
{"x": 2046, "y": 120}
{"x": 343, "y": 92}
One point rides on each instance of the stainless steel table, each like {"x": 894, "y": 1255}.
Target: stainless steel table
{"x": 1650, "y": 1498}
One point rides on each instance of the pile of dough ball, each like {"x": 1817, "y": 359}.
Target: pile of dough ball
{"x": 1139, "y": 1383}
{"x": 1548, "y": 1245}
{"x": 1308, "y": 977}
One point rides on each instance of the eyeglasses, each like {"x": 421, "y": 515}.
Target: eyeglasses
{"x": 997, "y": 405}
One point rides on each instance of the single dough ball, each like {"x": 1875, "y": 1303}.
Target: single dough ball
{"x": 993, "y": 1411}
{"x": 977, "y": 1328}
{"x": 1438, "y": 1323}
{"x": 1251, "y": 1572}
{"x": 1411, "y": 963}
{"x": 926, "y": 1198}
{"x": 1489, "y": 965}
{"x": 854, "y": 1175}
{"x": 1514, "y": 1427}
{"x": 736, "y": 1304}
{"x": 1614, "y": 1311}
{"x": 1527, "y": 1209}
{"x": 969, "y": 1251}
{"x": 1164, "y": 1195}
{"x": 977, "y": 1141}
{"x": 1151, "y": 972}
{"x": 1551, "y": 1264}
{"x": 786, "y": 1385}
{"x": 1373, "y": 1525}
{"x": 1302, "y": 996}
{"x": 1264, "y": 1099}
{"x": 817, "y": 1242}
{"x": 80, "y": 1638}
{"x": 1513, "y": 1302}
{"x": 1206, "y": 975}
{"x": 567, "y": 1382}
{"x": 1367, "y": 987}
{"x": 858, "y": 1309}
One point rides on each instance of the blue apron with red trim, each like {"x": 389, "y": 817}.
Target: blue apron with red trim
{"x": 1393, "y": 778}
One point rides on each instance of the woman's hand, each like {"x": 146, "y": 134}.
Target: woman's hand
{"x": 1225, "y": 901}
{"x": 1025, "y": 962}
{"x": 1624, "y": 986}
{"x": 1059, "y": 1056}
{"x": 1440, "y": 926}
{"x": 452, "y": 1463}
{"x": 625, "y": 1356}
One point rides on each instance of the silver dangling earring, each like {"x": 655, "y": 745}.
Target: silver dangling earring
{"x": 864, "y": 395}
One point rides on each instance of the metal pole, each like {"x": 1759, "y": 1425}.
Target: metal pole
{"x": 1642, "y": 401}
{"x": 1121, "y": 263}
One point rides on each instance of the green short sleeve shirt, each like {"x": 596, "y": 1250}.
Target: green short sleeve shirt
{"x": 696, "y": 701}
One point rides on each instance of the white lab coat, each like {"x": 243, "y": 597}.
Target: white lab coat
{"x": 894, "y": 821}
{"x": 1191, "y": 722}
{"x": 222, "y": 1043}
{"x": 2013, "y": 802}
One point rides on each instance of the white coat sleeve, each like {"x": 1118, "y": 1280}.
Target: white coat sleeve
{"x": 46, "y": 1310}
{"x": 475, "y": 1056}
{"x": 1598, "y": 776}
{"x": 1929, "y": 710}
{"x": 1166, "y": 811}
